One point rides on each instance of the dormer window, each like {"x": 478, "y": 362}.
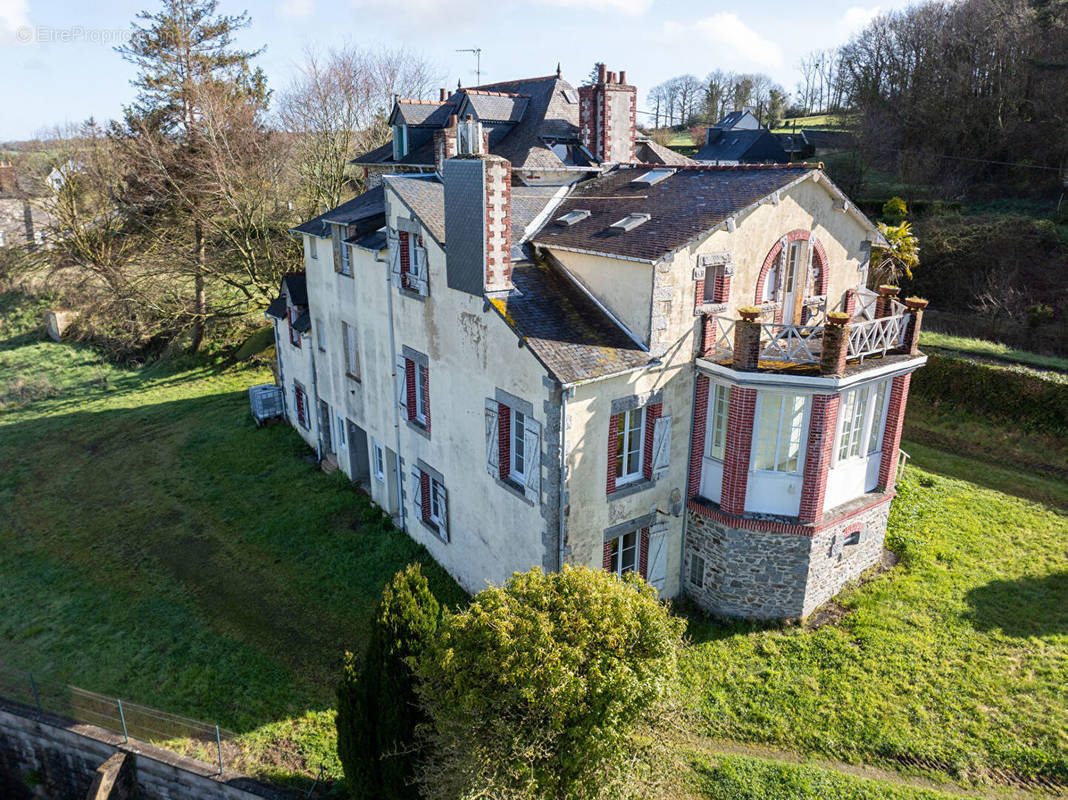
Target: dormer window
{"x": 630, "y": 222}
{"x": 400, "y": 142}
{"x": 652, "y": 177}
{"x": 469, "y": 136}
{"x": 571, "y": 217}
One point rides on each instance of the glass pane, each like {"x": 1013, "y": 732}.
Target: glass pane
{"x": 768, "y": 435}
{"x": 848, "y": 402}
{"x": 621, "y": 439}
{"x": 615, "y": 555}
{"x": 628, "y": 559}
{"x": 858, "y": 421}
{"x": 796, "y": 412}
{"x": 877, "y": 418}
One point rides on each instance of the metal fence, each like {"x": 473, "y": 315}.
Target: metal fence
{"x": 129, "y": 720}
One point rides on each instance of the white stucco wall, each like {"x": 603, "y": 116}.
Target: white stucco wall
{"x": 623, "y": 287}
{"x": 295, "y": 366}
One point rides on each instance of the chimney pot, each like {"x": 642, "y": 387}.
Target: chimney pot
{"x": 623, "y": 76}
{"x": 611, "y": 77}
{"x": 600, "y": 73}
{"x": 441, "y": 95}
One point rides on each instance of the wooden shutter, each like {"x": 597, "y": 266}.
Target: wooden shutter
{"x": 504, "y": 439}
{"x": 393, "y": 241}
{"x": 417, "y": 491}
{"x": 643, "y": 553}
{"x": 402, "y": 385}
{"x": 442, "y": 496}
{"x": 420, "y": 278}
{"x": 335, "y": 239}
{"x": 661, "y": 446}
{"x": 613, "y": 433}
{"x": 493, "y": 446}
{"x": 532, "y": 456}
{"x": 409, "y": 382}
{"x": 658, "y": 545}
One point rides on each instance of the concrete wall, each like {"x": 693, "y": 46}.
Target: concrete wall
{"x": 758, "y": 574}
{"x": 39, "y": 759}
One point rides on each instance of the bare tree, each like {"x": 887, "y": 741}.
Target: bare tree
{"x": 338, "y": 107}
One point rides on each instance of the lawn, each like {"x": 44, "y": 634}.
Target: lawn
{"x": 995, "y": 351}
{"x": 155, "y": 545}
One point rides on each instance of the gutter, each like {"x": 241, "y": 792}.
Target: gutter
{"x": 396, "y": 397}
{"x": 656, "y": 362}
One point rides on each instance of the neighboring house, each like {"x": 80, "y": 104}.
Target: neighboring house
{"x": 23, "y": 222}
{"x": 529, "y": 375}
{"x": 739, "y": 138}
{"x": 296, "y": 358}
{"x": 534, "y": 123}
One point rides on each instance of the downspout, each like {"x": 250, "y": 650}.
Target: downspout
{"x": 396, "y": 397}
{"x": 564, "y": 392}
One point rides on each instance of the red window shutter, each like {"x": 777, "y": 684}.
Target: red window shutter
{"x": 424, "y": 490}
{"x": 426, "y": 397}
{"x": 607, "y": 562}
{"x": 613, "y": 433}
{"x": 301, "y": 418}
{"x": 409, "y": 380}
{"x": 643, "y": 553}
{"x": 405, "y": 257}
{"x": 504, "y": 439}
{"x": 652, "y": 412}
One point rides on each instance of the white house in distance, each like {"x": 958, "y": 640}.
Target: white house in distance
{"x": 538, "y": 365}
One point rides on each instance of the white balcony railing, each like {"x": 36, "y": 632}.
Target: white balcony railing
{"x": 877, "y": 336}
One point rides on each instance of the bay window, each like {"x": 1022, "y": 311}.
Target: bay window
{"x": 780, "y": 428}
{"x": 860, "y": 421}
{"x": 716, "y": 436}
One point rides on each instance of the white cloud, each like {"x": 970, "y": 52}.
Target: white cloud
{"x": 855, "y": 19}
{"x": 733, "y": 39}
{"x": 296, "y": 8}
{"x": 14, "y": 16}
{"x": 631, "y": 8}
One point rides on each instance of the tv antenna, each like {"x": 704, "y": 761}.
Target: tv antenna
{"x": 478, "y": 62}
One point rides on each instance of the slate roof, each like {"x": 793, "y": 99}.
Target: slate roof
{"x": 690, "y": 202}
{"x": 565, "y": 330}
{"x": 277, "y": 308}
{"x": 425, "y": 197}
{"x": 735, "y": 117}
{"x": 742, "y": 145}
{"x": 520, "y": 115}
{"x": 296, "y": 284}
{"x": 527, "y": 203}
{"x": 371, "y": 203}
{"x": 418, "y": 112}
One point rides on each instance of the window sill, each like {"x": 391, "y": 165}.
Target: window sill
{"x": 353, "y": 378}
{"x": 418, "y": 427}
{"x": 434, "y": 529}
{"x": 514, "y": 488}
{"x": 405, "y": 291}
{"x": 634, "y": 487}
{"x": 344, "y": 274}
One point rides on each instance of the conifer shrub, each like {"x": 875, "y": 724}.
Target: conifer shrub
{"x": 378, "y": 708}
{"x": 536, "y": 689}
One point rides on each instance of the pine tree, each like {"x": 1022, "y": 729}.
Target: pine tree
{"x": 378, "y": 707}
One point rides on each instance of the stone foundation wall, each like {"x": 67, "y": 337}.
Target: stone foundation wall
{"x": 768, "y": 575}
{"x": 833, "y": 563}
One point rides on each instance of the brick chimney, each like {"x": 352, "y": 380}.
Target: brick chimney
{"x": 607, "y": 117}
{"x": 8, "y": 180}
{"x": 478, "y": 223}
{"x": 445, "y": 143}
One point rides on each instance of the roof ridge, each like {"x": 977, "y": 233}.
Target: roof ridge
{"x": 494, "y": 94}
{"x": 424, "y": 102}
{"x": 552, "y": 77}
{"x": 729, "y": 167}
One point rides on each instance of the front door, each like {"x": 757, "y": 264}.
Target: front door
{"x": 795, "y": 280}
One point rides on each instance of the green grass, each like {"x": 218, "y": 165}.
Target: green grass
{"x": 956, "y": 662}
{"x": 992, "y": 350}
{"x": 743, "y": 778}
{"x": 157, "y": 546}
{"x": 825, "y": 121}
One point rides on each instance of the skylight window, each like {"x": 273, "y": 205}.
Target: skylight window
{"x": 652, "y": 177}
{"x": 571, "y": 217}
{"x": 571, "y": 95}
{"x": 630, "y": 222}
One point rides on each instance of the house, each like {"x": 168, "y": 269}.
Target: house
{"x": 531, "y": 374}
{"x": 534, "y": 123}
{"x": 739, "y": 138}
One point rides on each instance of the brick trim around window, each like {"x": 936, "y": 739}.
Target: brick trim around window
{"x": 737, "y": 449}
{"x": 613, "y": 434}
{"x": 697, "y": 442}
{"x": 818, "y": 252}
{"x": 822, "y": 423}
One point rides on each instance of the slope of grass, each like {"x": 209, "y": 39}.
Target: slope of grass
{"x": 993, "y": 350}
{"x": 956, "y": 662}
{"x": 155, "y": 545}
{"x": 825, "y": 121}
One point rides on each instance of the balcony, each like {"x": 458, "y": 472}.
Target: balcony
{"x": 894, "y": 328}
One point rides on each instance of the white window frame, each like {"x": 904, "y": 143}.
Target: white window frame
{"x": 628, "y": 475}
{"x": 352, "y": 355}
{"x": 783, "y": 435}
{"x": 346, "y": 260}
{"x": 378, "y": 461}
{"x": 697, "y": 576}
{"x": 860, "y": 429}
{"x": 517, "y": 469}
{"x": 620, "y": 548}
{"x": 313, "y": 246}
{"x": 420, "y": 393}
{"x": 719, "y": 400}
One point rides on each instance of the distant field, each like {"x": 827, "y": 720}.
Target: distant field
{"x": 828, "y": 121}
{"x": 992, "y": 350}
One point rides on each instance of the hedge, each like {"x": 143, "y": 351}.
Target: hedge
{"x": 1003, "y": 394}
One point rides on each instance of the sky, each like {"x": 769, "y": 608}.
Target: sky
{"x": 58, "y": 64}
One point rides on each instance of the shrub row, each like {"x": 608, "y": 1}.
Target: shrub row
{"x": 1001, "y": 394}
